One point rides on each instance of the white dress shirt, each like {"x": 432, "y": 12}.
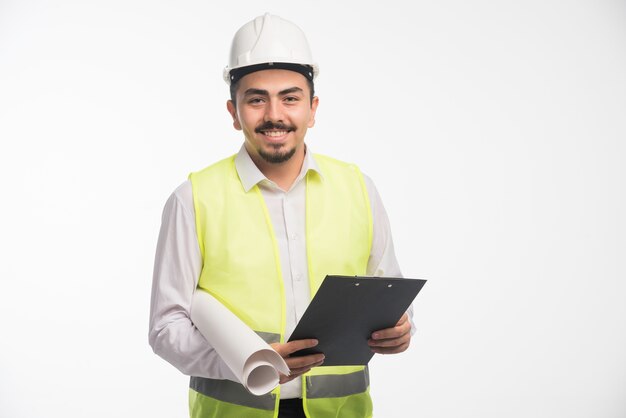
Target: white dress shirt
{"x": 178, "y": 264}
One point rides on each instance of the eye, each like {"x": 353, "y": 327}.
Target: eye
{"x": 256, "y": 100}
{"x": 291, "y": 99}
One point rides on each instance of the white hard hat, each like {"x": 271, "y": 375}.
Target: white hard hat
{"x": 269, "y": 42}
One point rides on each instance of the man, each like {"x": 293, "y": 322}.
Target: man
{"x": 260, "y": 230}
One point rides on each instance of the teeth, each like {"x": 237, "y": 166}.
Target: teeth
{"x": 275, "y": 133}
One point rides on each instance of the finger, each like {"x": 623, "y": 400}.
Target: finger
{"x": 300, "y": 371}
{"x": 292, "y": 375}
{"x": 304, "y": 361}
{"x": 394, "y": 332}
{"x": 392, "y": 342}
{"x": 293, "y": 346}
{"x": 295, "y": 373}
{"x": 307, "y": 368}
{"x": 391, "y": 350}
{"x": 403, "y": 319}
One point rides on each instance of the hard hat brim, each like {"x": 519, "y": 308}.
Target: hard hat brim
{"x": 232, "y": 76}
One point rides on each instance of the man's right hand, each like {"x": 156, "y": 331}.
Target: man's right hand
{"x": 297, "y": 365}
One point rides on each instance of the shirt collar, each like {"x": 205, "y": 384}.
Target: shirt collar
{"x": 250, "y": 175}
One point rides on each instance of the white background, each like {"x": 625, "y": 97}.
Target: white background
{"x": 494, "y": 130}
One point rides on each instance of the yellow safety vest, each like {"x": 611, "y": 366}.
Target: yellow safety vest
{"x": 241, "y": 268}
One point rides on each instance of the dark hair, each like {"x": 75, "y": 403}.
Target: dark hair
{"x": 235, "y": 86}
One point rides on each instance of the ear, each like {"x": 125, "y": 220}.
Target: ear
{"x": 314, "y": 104}
{"x": 232, "y": 109}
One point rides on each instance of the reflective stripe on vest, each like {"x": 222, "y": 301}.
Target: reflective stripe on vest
{"x": 269, "y": 337}
{"x": 324, "y": 386}
{"x": 232, "y": 392}
{"x": 243, "y": 272}
{"x": 337, "y": 385}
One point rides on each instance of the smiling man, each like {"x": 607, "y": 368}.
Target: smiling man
{"x": 260, "y": 230}
{"x": 274, "y": 108}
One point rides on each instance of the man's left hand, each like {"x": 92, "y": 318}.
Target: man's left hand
{"x": 392, "y": 340}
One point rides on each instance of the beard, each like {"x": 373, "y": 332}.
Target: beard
{"x": 278, "y": 155}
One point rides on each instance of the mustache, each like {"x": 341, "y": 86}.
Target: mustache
{"x": 269, "y": 125}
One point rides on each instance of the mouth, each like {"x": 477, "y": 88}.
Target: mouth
{"x": 275, "y": 133}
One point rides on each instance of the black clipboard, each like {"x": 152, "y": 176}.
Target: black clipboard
{"x": 347, "y": 309}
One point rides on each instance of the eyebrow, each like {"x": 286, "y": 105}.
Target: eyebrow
{"x": 290, "y": 90}
{"x": 261, "y": 92}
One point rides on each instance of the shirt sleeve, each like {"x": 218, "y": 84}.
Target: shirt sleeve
{"x": 382, "y": 261}
{"x": 177, "y": 267}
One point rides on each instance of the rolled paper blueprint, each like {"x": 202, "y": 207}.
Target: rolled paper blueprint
{"x": 251, "y": 359}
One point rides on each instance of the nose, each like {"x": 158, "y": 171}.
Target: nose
{"x": 273, "y": 111}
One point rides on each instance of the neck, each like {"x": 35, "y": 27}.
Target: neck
{"x": 282, "y": 174}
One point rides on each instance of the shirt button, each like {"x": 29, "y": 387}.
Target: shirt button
{"x": 298, "y": 276}
{"x": 294, "y": 237}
